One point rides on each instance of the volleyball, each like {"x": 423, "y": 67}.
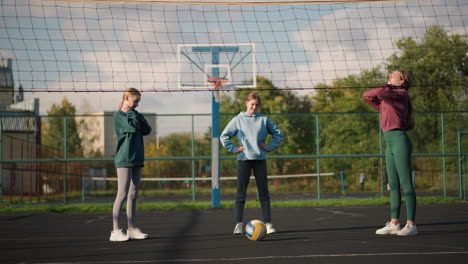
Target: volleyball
{"x": 255, "y": 230}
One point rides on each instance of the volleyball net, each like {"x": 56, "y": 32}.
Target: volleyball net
{"x": 171, "y": 46}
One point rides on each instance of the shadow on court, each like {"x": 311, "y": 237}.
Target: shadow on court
{"x": 305, "y": 235}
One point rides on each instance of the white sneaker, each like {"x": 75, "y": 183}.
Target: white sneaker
{"x": 238, "y": 229}
{"x": 408, "y": 230}
{"x": 270, "y": 228}
{"x": 388, "y": 229}
{"x": 135, "y": 233}
{"x": 118, "y": 236}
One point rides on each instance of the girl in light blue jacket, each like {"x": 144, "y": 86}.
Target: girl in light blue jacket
{"x": 251, "y": 129}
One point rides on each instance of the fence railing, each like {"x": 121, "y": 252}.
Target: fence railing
{"x": 321, "y": 157}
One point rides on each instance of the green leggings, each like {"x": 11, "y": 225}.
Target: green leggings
{"x": 398, "y": 159}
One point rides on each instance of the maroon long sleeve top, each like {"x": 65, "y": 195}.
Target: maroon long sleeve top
{"x": 392, "y": 105}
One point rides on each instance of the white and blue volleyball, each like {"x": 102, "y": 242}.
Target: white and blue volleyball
{"x": 255, "y": 230}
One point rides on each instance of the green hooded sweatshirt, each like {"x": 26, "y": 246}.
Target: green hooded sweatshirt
{"x": 130, "y": 127}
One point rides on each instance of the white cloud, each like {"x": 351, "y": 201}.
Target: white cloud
{"x": 113, "y": 59}
{"x": 107, "y": 47}
{"x": 360, "y": 37}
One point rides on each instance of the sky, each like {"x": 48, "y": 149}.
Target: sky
{"x": 87, "y": 47}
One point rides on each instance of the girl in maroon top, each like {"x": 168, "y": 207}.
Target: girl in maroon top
{"x": 396, "y": 117}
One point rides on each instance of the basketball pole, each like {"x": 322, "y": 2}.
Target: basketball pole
{"x": 215, "y": 179}
{"x": 215, "y": 116}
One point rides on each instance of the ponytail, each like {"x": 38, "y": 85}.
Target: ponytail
{"x": 410, "y": 121}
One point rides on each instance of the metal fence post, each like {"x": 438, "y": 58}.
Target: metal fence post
{"x": 1, "y": 159}
{"x": 65, "y": 175}
{"x": 343, "y": 188}
{"x": 382, "y": 171}
{"x": 83, "y": 188}
{"x": 461, "y": 186}
{"x": 444, "y": 174}
{"x": 465, "y": 173}
{"x": 193, "y": 161}
{"x": 317, "y": 142}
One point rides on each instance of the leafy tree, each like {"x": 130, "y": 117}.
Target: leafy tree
{"x": 89, "y": 134}
{"x": 439, "y": 68}
{"x": 52, "y": 133}
{"x": 296, "y": 128}
{"x": 176, "y": 145}
{"x": 347, "y": 133}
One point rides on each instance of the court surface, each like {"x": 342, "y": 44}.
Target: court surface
{"x": 305, "y": 235}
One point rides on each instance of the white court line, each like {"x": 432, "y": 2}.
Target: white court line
{"x": 336, "y": 212}
{"x": 265, "y": 257}
{"x": 95, "y": 219}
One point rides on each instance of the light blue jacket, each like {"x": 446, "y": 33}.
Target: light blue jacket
{"x": 251, "y": 130}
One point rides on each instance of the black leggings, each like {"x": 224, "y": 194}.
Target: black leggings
{"x": 244, "y": 168}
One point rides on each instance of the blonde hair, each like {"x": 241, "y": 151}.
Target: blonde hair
{"x": 254, "y": 96}
{"x": 129, "y": 92}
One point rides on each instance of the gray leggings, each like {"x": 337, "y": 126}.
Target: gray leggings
{"x": 128, "y": 184}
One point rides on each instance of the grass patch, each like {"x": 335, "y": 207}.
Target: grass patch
{"x": 107, "y": 207}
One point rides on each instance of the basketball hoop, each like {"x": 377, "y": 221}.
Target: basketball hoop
{"x": 217, "y": 84}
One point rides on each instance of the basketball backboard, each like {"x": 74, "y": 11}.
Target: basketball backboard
{"x": 199, "y": 62}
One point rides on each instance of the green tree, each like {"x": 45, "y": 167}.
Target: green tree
{"x": 348, "y": 133}
{"x": 439, "y": 66}
{"x": 176, "y": 145}
{"x": 297, "y": 129}
{"x": 53, "y": 132}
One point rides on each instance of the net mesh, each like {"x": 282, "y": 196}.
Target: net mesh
{"x": 98, "y": 46}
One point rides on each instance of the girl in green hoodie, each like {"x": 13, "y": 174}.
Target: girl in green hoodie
{"x": 130, "y": 127}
